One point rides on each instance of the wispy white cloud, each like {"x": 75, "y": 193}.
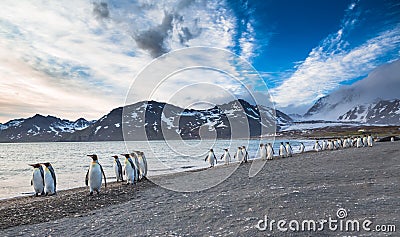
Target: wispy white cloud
{"x": 334, "y": 62}
{"x": 78, "y": 58}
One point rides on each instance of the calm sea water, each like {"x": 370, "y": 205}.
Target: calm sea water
{"x": 71, "y": 163}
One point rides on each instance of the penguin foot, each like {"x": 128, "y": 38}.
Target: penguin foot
{"x": 36, "y": 195}
{"x": 91, "y": 193}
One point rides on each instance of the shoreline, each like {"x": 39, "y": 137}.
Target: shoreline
{"x": 308, "y": 184}
{"x": 157, "y": 176}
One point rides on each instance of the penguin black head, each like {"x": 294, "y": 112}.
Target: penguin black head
{"x": 281, "y": 143}
{"x": 126, "y": 155}
{"x": 94, "y": 157}
{"x": 116, "y": 157}
{"x": 35, "y": 165}
{"x": 225, "y": 149}
{"x": 47, "y": 164}
{"x": 287, "y": 142}
{"x": 261, "y": 145}
{"x": 211, "y": 149}
{"x": 243, "y": 147}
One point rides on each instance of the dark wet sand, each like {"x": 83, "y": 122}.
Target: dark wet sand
{"x": 313, "y": 185}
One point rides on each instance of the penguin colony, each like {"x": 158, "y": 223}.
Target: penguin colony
{"x": 266, "y": 151}
{"x": 345, "y": 142}
{"x": 134, "y": 170}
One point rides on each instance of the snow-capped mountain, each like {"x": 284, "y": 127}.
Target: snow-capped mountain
{"x": 382, "y": 112}
{"x": 40, "y": 128}
{"x": 154, "y": 121}
{"x": 370, "y": 100}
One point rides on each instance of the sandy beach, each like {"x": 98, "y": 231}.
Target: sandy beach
{"x": 313, "y": 185}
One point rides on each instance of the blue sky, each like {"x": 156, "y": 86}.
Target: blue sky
{"x": 78, "y": 58}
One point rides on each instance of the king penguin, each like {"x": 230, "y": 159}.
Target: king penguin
{"x": 50, "y": 183}
{"x": 245, "y": 154}
{"x": 324, "y": 145}
{"x": 118, "y": 169}
{"x": 211, "y": 158}
{"x": 145, "y": 163}
{"x": 226, "y": 156}
{"x": 129, "y": 169}
{"x": 317, "y": 147}
{"x": 359, "y": 142}
{"x": 345, "y": 143}
{"x": 289, "y": 150}
{"x": 38, "y": 179}
{"x": 302, "y": 147}
{"x": 370, "y": 140}
{"x": 134, "y": 156}
{"x": 282, "y": 150}
{"x": 94, "y": 175}
{"x": 142, "y": 165}
{"x": 263, "y": 152}
{"x": 270, "y": 152}
{"x": 239, "y": 154}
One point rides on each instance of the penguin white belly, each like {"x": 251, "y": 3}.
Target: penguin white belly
{"x": 226, "y": 158}
{"x": 239, "y": 155}
{"x": 116, "y": 170}
{"x": 48, "y": 183}
{"x": 129, "y": 173}
{"x": 210, "y": 159}
{"x": 369, "y": 141}
{"x": 95, "y": 178}
{"x": 37, "y": 181}
{"x": 269, "y": 153}
{"x": 282, "y": 151}
{"x": 263, "y": 153}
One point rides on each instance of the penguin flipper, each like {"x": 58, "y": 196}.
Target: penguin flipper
{"x": 131, "y": 162}
{"x": 87, "y": 178}
{"x": 31, "y": 182}
{"x": 53, "y": 175}
{"x": 105, "y": 180}
{"x": 119, "y": 169}
{"x": 42, "y": 173}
